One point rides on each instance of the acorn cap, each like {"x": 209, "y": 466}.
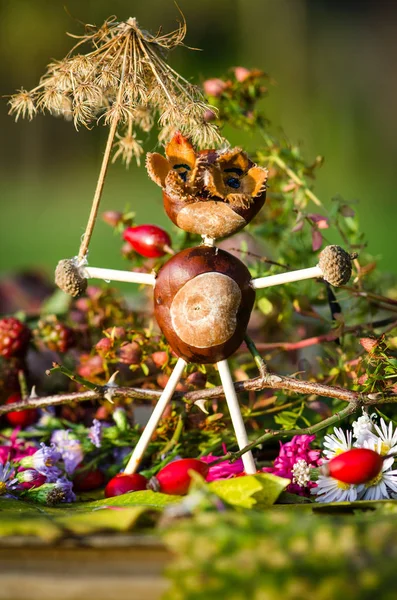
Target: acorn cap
{"x": 69, "y": 279}
{"x": 336, "y": 265}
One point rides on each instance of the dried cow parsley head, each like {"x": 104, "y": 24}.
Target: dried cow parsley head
{"x": 124, "y": 81}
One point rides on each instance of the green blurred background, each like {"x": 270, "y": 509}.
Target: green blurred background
{"x": 334, "y": 64}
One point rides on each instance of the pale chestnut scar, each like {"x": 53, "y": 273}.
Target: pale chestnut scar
{"x": 204, "y": 310}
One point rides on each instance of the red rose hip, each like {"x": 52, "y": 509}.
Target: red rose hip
{"x": 355, "y": 466}
{"x": 123, "y": 483}
{"x": 21, "y": 418}
{"x": 175, "y": 479}
{"x": 148, "y": 240}
{"x": 85, "y": 481}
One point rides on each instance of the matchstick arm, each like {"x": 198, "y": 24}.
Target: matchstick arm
{"x": 72, "y": 277}
{"x": 335, "y": 267}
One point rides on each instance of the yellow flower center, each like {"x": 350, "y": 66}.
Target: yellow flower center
{"x": 342, "y": 485}
{"x": 375, "y": 480}
{"x": 384, "y": 449}
{"x": 339, "y": 451}
{"x": 3, "y": 488}
{"x": 48, "y": 462}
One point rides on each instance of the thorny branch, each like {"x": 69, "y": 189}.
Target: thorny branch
{"x": 355, "y": 400}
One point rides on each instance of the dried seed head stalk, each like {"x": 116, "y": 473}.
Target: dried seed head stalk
{"x": 123, "y": 78}
{"x": 124, "y": 81}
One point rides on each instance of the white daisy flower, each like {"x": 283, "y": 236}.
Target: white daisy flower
{"x": 377, "y": 445}
{"x": 381, "y": 487}
{"x": 337, "y": 442}
{"x": 331, "y": 490}
{"x": 388, "y": 437}
{"x": 363, "y": 428}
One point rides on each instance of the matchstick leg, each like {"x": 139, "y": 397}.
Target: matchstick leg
{"x": 235, "y": 414}
{"x": 118, "y": 275}
{"x": 155, "y": 417}
{"x": 289, "y": 277}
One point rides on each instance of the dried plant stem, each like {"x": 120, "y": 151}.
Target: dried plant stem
{"x": 104, "y": 167}
{"x": 325, "y": 337}
{"x": 260, "y": 363}
{"x": 280, "y": 434}
{"x": 291, "y": 174}
{"x": 271, "y": 381}
{"x": 356, "y": 400}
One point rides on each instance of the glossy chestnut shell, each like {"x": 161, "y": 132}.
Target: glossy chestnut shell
{"x": 210, "y": 216}
{"x": 202, "y": 302}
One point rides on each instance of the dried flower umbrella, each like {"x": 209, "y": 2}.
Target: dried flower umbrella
{"x": 125, "y": 82}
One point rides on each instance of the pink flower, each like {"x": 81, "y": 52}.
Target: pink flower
{"x": 215, "y": 87}
{"x": 15, "y": 449}
{"x": 298, "y": 448}
{"x": 319, "y": 220}
{"x": 225, "y": 470}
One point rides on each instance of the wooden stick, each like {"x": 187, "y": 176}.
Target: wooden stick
{"x": 289, "y": 277}
{"x": 155, "y": 417}
{"x": 117, "y": 275}
{"x": 235, "y": 414}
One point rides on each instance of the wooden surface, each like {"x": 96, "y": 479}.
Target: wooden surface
{"x": 98, "y": 568}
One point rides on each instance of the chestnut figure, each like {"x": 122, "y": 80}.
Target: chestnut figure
{"x": 204, "y": 296}
{"x": 203, "y": 301}
{"x": 210, "y": 193}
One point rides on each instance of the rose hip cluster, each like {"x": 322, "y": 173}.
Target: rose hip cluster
{"x": 173, "y": 479}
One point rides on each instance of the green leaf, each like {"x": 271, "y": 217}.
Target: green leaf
{"x": 121, "y": 513}
{"x": 57, "y": 304}
{"x": 107, "y": 519}
{"x": 265, "y": 306}
{"x": 250, "y": 491}
{"x": 145, "y": 498}
{"x": 287, "y": 498}
{"x": 18, "y": 518}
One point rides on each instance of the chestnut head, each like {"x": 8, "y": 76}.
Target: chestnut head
{"x": 202, "y": 302}
{"x": 212, "y": 193}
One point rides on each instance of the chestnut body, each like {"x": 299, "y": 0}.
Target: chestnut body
{"x": 203, "y": 301}
{"x": 210, "y": 216}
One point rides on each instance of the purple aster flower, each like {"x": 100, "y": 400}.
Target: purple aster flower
{"x": 65, "y": 488}
{"x": 52, "y": 493}
{"x": 7, "y": 480}
{"x": 69, "y": 449}
{"x": 95, "y": 433}
{"x": 44, "y": 461}
{"x": 298, "y": 448}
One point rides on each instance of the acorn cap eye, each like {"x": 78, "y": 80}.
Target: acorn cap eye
{"x": 182, "y": 170}
{"x": 233, "y": 182}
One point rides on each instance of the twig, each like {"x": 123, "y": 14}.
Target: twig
{"x": 330, "y": 336}
{"x": 277, "y": 434}
{"x": 271, "y": 381}
{"x": 102, "y": 173}
{"x": 291, "y": 174}
{"x": 260, "y": 363}
{"x": 259, "y": 258}
{"x": 60, "y": 399}
{"x": 370, "y": 295}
